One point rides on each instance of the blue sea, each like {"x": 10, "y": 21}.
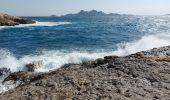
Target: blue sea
{"x": 60, "y": 40}
{"x": 56, "y": 41}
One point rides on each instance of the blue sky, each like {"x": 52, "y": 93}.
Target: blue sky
{"x": 60, "y": 7}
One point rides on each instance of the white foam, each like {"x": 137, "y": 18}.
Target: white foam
{"x": 54, "y": 59}
{"x": 157, "y": 34}
{"x": 51, "y": 59}
{"x": 7, "y": 60}
{"x": 44, "y": 24}
{"x": 145, "y": 43}
{"x": 37, "y": 24}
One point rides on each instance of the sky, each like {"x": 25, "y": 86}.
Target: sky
{"x": 61, "y": 7}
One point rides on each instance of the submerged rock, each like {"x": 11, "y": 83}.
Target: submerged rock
{"x": 4, "y": 71}
{"x": 8, "y": 20}
{"x": 144, "y": 75}
{"x": 34, "y": 65}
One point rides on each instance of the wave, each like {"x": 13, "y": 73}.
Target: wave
{"x": 54, "y": 59}
{"x": 157, "y": 34}
{"x": 51, "y": 59}
{"x": 44, "y": 24}
{"x": 47, "y": 24}
{"x": 147, "y": 42}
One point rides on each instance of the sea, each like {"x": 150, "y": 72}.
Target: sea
{"x": 57, "y": 41}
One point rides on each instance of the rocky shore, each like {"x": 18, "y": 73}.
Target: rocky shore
{"x": 8, "y": 20}
{"x": 141, "y": 76}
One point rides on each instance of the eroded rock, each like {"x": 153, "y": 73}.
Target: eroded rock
{"x": 8, "y": 20}
{"x": 141, "y": 76}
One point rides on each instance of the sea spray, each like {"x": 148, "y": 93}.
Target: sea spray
{"x": 51, "y": 59}
{"x": 145, "y": 43}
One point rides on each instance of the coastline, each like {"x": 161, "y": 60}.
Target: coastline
{"x": 143, "y": 75}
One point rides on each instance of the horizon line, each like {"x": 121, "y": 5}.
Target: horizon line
{"x": 88, "y": 11}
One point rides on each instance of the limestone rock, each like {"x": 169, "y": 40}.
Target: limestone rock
{"x": 141, "y": 76}
{"x": 8, "y": 20}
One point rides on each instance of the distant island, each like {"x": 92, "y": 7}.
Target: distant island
{"x": 9, "y": 20}
{"x": 53, "y": 16}
{"x": 92, "y": 13}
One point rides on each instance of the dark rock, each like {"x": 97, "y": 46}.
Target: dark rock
{"x": 34, "y": 65}
{"x": 24, "y": 77}
{"x": 110, "y": 57}
{"x": 99, "y": 61}
{"x": 24, "y": 21}
{"x": 4, "y": 71}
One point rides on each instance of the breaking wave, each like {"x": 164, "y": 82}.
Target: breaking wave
{"x": 37, "y": 24}
{"x": 54, "y": 59}
{"x": 51, "y": 59}
{"x": 154, "y": 37}
{"x": 145, "y": 43}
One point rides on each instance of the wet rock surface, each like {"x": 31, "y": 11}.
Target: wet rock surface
{"x": 34, "y": 65}
{"x": 8, "y": 20}
{"x": 141, "y": 76}
{"x": 4, "y": 71}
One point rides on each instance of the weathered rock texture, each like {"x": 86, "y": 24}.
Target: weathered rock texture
{"x": 141, "y": 76}
{"x": 8, "y": 20}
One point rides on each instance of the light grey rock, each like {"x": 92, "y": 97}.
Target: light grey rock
{"x": 141, "y": 76}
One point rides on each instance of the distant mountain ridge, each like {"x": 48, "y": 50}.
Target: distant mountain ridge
{"x": 83, "y": 13}
{"x": 91, "y": 13}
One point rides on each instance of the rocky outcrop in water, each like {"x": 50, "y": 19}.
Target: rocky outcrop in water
{"x": 141, "y": 76}
{"x": 8, "y": 20}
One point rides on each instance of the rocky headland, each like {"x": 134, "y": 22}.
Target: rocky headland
{"x": 8, "y": 20}
{"x": 141, "y": 76}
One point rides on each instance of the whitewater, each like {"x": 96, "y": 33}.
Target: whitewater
{"x": 157, "y": 34}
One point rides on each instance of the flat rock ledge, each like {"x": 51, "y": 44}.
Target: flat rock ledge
{"x": 8, "y": 20}
{"x": 141, "y": 76}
